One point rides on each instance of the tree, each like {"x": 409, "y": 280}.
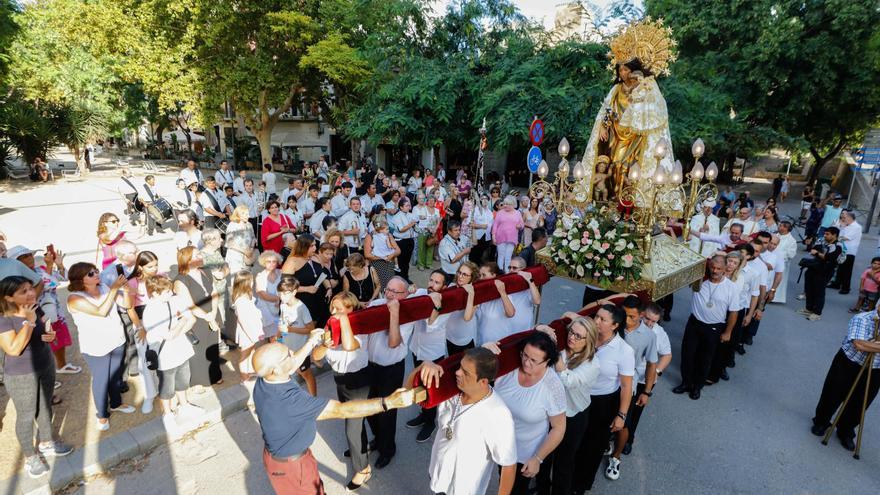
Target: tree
{"x": 8, "y": 31}
{"x": 806, "y": 69}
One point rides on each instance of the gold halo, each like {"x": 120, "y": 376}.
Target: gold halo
{"x": 649, "y": 41}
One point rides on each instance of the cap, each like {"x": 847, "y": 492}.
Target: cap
{"x": 18, "y": 251}
{"x": 709, "y": 203}
{"x": 838, "y": 196}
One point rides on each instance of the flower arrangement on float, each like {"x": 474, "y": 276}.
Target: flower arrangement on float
{"x": 600, "y": 247}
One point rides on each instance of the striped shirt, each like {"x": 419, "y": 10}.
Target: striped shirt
{"x": 861, "y": 327}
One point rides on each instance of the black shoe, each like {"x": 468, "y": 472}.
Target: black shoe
{"x": 695, "y": 394}
{"x": 741, "y": 350}
{"x": 416, "y": 421}
{"x": 425, "y": 433}
{"x": 731, "y": 364}
{"x": 627, "y": 448}
{"x": 819, "y": 431}
{"x": 748, "y": 340}
{"x": 370, "y": 448}
{"x": 352, "y": 486}
{"x": 681, "y": 389}
{"x": 833, "y": 286}
{"x": 124, "y": 389}
{"x": 847, "y": 443}
{"x": 724, "y": 376}
{"x": 844, "y": 292}
{"x": 383, "y": 461}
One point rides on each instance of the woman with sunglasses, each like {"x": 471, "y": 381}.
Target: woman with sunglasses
{"x": 578, "y": 371}
{"x": 461, "y": 325}
{"x": 314, "y": 286}
{"x": 109, "y": 234}
{"x": 29, "y": 371}
{"x": 536, "y": 399}
{"x": 101, "y": 335}
{"x": 196, "y": 286}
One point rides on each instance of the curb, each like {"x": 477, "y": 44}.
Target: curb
{"x": 102, "y": 456}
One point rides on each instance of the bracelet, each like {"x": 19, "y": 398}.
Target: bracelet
{"x": 621, "y": 415}
{"x": 540, "y": 461}
{"x": 438, "y": 308}
{"x": 382, "y": 403}
{"x": 649, "y": 394}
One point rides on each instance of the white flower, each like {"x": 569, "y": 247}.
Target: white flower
{"x": 610, "y": 234}
{"x": 563, "y": 256}
{"x": 593, "y": 224}
{"x": 629, "y": 246}
{"x": 597, "y": 244}
{"x": 574, "y": 244}
{"x": 585, "y": 248}
{"x": 558, "y": 233}
{"x": 580, "y": 271}
{"x": 606, "y": 272}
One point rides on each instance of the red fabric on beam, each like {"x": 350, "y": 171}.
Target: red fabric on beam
{"x": 375, "y": 319}
{"x": 509, "y": 358}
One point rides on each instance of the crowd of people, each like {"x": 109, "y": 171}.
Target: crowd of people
{"x": 260, "y": 271}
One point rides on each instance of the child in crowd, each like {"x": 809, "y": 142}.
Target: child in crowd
{"x": 868, "y": 287}
{"x": 294, "y": 326}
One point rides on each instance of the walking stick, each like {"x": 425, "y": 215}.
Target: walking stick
{"x": 869, "y": 360}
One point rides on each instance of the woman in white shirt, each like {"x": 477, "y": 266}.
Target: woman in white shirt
{"x": 578, "y": 371}
{"x": 349, "y": 362}
{"x": 461, "y": 325}
{"x": 293, "y": 214}
{"x": 493, "y": 317}
{"x": 481, "y": 228}
{"x": 249, "y": 325}
{"x": 536, "y": 399}
{"x": 240, "y": 240}
{"x": 266, "y": 285}
{"x": 404, "y": 227}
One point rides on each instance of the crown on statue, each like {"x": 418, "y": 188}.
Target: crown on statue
{"x": 647, "y": 40}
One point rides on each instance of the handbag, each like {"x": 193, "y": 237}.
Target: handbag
{"x": 151, "y": 356}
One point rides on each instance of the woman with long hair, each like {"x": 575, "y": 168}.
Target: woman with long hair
{"x": 429, "y": 219}
{"x": 146, "y": 267}
{"x": 480, "y": 221}
{"x": 29, "y": 372}
{"x": 196, "y": 286}
{"x": 381, "y": 250}
{"x": 578, "y": 371}
{"x": 461, "y": 325}
{"x": 342, "y": 251}
{"x": 360, "y": 279}
{"x": 325, "y": 256}
{"x": 349, "y": 362}
{"x": 109, "y": 234}
{"x": 532, "y": 219}
{"x": 313, "y": 285}
{"x": 769, "y": 221}
{"x": 249, "y": 328}
{"x": 101, "y": 335}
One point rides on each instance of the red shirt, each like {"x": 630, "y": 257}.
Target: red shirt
{"x": 272, "y": 227}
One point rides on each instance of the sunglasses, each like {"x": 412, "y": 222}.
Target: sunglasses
{"x": 92, "y": 273}
{"x": 113, "y": 221}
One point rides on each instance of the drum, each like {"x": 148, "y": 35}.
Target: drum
{"x": 221, "y": 224}
{"x": 160, "y": 210}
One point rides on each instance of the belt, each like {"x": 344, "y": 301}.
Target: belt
{"x": 292, "y": 458}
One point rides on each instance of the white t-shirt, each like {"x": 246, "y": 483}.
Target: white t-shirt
{"x": 615, "y": 358}
{"x": 98, "y": 335}
{"x": 296, "y": 315}
{"x": 525, "y": 311}
{"x": 377, "y": 342}
{"x": 182, "y": 239}
{"x": 531, "y": 407}
{"x": 429, "y": 340}
{"x": 175, "y": 351}
{"x": 482, "y": 438}
{"x": 492, "y": 324}
{"x": 458, "y": 331}
{"x": 752, "y": 282}
{"x": 713, "y": 301}
{"x": 578, "y": 382}
{"x": 342, "y": 361}
{"x": 269, "y": 179}
{"x": 664, "y": 348}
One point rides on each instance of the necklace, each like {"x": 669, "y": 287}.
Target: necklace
{"x": 712, "y": 293}
{"x": 448, "y": 432}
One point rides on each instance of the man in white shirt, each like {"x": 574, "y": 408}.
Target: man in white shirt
{"x": 223, "y": 175}
{"x": 340, "y": 201}
{"x": 249, "y": 198}
{"x": 428, "y": 343}
{"x": 788, "y": 248}
{"x": 371, "y": 199}
{"x": 307, "y": 202}
{"x": 704, "y": 222}
{"x": 387, "y": 352}
{"x": 744, "y": 218}
{"x": 754, "y": 289}
{"x": 238, "y": 183}
{"x": 295, "y": 189}
{"x": 191, "y": 174}
{"x": 452, "y": 250}
{"x": 130, "y": 192}
{"x": 149, "y": 196}
{"x": 726, "y": 240}
{"x": 322, "y": 210}
{"x": 851, "y": 238}
{"x": 353, "y": 225}
{"x": 269, "y": 178}
{"x": 470, "y": 446}
{"x": 213, "y": 203}
{"x": 713, "y": 315}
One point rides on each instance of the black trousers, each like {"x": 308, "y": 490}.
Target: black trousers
{"x": 406, "y": 251}
{"x": 557, "y": 471}
{"x": 452, "y": 349}
{"x": 814, "y": 288}
{"x": 634, "y": 414}
{"x": 666, "y": 303}
{"x": 383, "y": 381}
{"x": 602, "y": 410}
{"x": 130, "y": 361}
{"x": 355, "y": 386}
{"x": 726, "y": 352}
{"x": 480, "y": 251}
{"x": 698, "y": 346}
{"x": 841, "y": 375}
{"x": 844, "y": 272}
{"x": 255, "y": 223}
{"x": 210, "y": 222}
{"x": 429, "y": 415}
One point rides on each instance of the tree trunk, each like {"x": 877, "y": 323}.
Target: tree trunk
{"x": 80, "y": 163}
{"x": 822, "y": 160}
{"x": 355, "y": 147}
{"x": 264, "y": 138}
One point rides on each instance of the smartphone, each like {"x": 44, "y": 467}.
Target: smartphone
{"x": 51, "y": 249}
{"x": 120, "y": 270}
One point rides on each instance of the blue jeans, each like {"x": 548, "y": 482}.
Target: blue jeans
{"x": 106, "y": 373}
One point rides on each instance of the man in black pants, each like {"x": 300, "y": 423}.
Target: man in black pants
{"x": 387, "y": 351}
{"x": 819, "y": 270}
{"x": 714, "y": 309}
{"x": 844, "y": 369}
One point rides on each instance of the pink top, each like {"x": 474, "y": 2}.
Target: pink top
{"x": 506, "y": 227}
{"x": 868, "y": 282}
{"x": 107, "y": 251}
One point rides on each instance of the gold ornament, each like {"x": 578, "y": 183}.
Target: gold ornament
{"x": 647, "y": 40}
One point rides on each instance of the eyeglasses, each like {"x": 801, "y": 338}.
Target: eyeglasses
{"x": 113, "y": 221}
{"x": 387, "y": 290}
{"x": 526, "y": 359}
{"x": 576, "y": 336}
{"x": 92, "y": 273}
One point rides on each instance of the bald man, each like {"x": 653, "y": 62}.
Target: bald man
{"x": 287, "y": 416}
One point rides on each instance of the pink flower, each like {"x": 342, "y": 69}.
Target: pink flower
{"x": 605, "y": 245}
{"x": 619, "y": 278}
{"x": 610, "y": 256}
{"x": 589, "y": 256}
{"x": 596, "y": 274}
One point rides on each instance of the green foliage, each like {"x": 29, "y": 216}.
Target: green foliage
{"x": 8, "y": 30}
{"x": 30, "y": 130}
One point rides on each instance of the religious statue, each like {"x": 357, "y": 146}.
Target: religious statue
{"x": 600, "y": 179}
{"x": 633, "y": 117}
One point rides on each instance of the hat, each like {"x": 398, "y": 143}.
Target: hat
{"x": 16, "y": 252}
{"x": 191, "y": 183}
{"x": 838, "y": 196}
{"x": 709, "y": 203}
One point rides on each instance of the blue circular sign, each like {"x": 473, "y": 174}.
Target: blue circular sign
{"x": 534, "y": 160}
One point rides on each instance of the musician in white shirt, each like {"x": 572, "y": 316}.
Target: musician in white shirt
{"x": 322, "y": 210}
{"x": 238, "y": 183}
{"x": 353, "y": 225}
{"x": 150, "y": 196}
{"x": 371, "y": 199}
{"x": 295, "y": 189}
{"x": 307, "y": 202}
{"x": 788, "y": 248}
{"x": 269, "y": 179}
{"x": 213, "y": 208}
{"x": 191, "y": 174}
{"x": 340, "y": 201}
{"x": 705, "y": 223}
{"x": 224, "y": 176}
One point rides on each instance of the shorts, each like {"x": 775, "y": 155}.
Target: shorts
{"x": 870, "y": 297}
{"x": 173, "y": 380}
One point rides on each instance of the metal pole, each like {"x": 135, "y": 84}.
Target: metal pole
{"x": 788, "y": 168}
{"x": 851, "y": 184}
{"x": 873, "y": 206}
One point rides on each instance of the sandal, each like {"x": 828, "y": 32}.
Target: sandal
{"x": 56, "y": 400}
{"x": 68, "y": 369}
{"x": 612, "y": 472}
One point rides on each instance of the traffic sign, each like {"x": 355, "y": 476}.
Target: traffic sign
{"x": 536, "y": 132}
{"x": 534, "y": 160}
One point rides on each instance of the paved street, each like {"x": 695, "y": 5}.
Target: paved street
{"x": 749, "y": 435}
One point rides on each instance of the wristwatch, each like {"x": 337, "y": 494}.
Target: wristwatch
{"x": 649, "y": 394}
{"x": 621, "y": 415}
{"x": 438, "y": 308}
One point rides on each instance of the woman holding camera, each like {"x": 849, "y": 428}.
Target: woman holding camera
{"x": 196, "y": 287}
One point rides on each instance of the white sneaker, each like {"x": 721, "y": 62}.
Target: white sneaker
{"x": 103, "y": 426}
{"x": 170, "y": 423}
{"x": 804, "y": 311}
{"x": 123, "y": 408}
{"x": 612, "y": 472}
{"x": 147, "y": 406}
{"x": 814, "y": 317}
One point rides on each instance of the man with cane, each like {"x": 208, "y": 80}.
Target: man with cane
{"x": 846, "y": 376}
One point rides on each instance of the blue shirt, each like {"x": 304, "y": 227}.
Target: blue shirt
{"x": 861, "y": 327}
{"x": 287, "y": 415}
{"x": 831, "y": 215}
